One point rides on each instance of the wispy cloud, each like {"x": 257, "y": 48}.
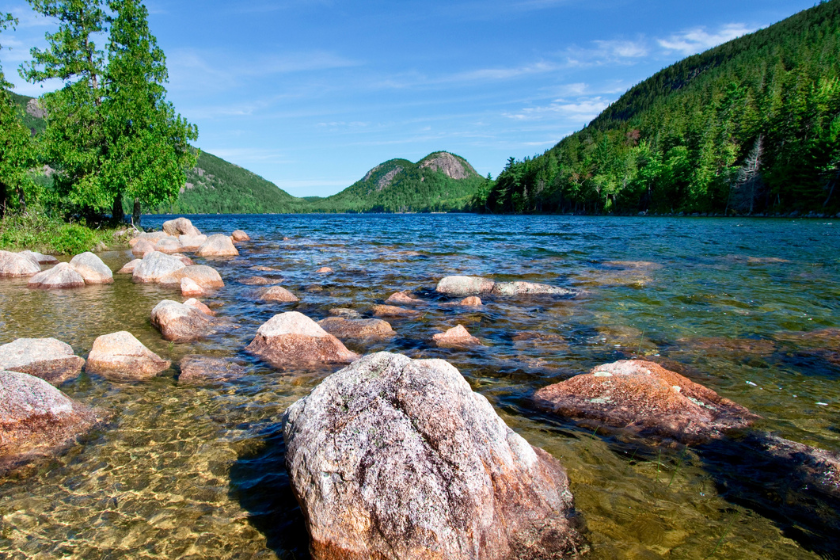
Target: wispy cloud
{"x": 697, "y": 40}
{"x": 579, "y": 110}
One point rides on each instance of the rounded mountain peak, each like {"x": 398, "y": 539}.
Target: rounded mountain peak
{"x": 451, "y": 165}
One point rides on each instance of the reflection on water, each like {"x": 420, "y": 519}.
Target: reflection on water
{"x": 197, "y": 472}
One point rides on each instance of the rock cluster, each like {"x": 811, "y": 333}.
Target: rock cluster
{"x": 647, "y": 398}
{"x": 399, "y": 458}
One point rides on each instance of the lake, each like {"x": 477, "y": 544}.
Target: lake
{"x": 197, "y": 472}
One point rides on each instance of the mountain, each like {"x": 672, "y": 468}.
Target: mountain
{"x": 440, "y": 182}
{"x": 213, "y": 185}
{"x": 750, "y": 126}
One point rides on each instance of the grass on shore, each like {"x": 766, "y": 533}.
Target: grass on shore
{"x": 37, "y": 231}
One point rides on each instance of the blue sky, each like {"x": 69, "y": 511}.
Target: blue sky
{"x": 311, "y": 94}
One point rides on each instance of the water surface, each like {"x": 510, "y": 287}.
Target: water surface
{"x": 197, "y": 472}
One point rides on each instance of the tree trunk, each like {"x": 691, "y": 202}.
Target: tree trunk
{"x": 117, "y": 213}
{"x": 21, "y": 200}
{"x": 135, "y": 217}
{"x": 3, "y": 198}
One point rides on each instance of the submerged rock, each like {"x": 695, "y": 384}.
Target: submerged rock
{"x": 121, "y": 357}
{"x": 17, "y": 265}
{"x": 205, "y": 276}
{"x": 645, "y": 397}
{"x": 47, "y": 358}
{"x": 472, "y": 301}
{"x": 391, "y": 311}
{"x": 456, "y": 336}
{"x": 812, "y": 467}
{"x": 179, "y": 322}
{"x": 324, "y": 270}
{"x": 180, "y": 226}
{"x": 277, "y": 294}
{"x": 293, "y": 339}
{"x": 217, "y": 246}
{"x": 718, "y": 346}
{"x": 60, "y": 277}
{"x": 464, "y": 285}
{"x": 258, "y": 281}
{"x": 399, "y": 458}
{"x": 155, "y": 266}
{"x": 345, "y": 312}
{"x": 528, "y": 288}
{"x": 37, "y": 420}
{"x": 92, "y": 269}
{"x": 129, "y": 267}
{"x": 357, "y": 328}
{"x": 189, "y": 288}
{"x": 202, "y": 369}
{"x": 403, "y": 298}
{"x": 239, "y": 235}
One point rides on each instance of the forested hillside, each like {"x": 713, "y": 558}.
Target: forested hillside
{"x": 751, "y": 126}
{"x": 440, "y": 182}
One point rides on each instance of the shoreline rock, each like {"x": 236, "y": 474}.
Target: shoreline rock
{"x": 357, "y": 328}
{"x": 646, "y": 398}
{"x": 293, "y": 339}
{"x": 464, "y": 285}
{"x": 205, "y": 276}
{"x": 277, "y": 294}
{"x": 403, "y": 298}
{"x": 179, "y": 322}
{"x": 455, "y": 337}
{"x": 120, "y": 356}
{"x": 60, "y": 277}
{"x": 46, "y": 358}
{"x": 217, "y": 245}
{"x": 239, "y": 236}
{"x": 18, "y": 265}
{"x": 203, "y": 370}
{"x": 92, "y": 269}
{"x": 388, "y": 445}
{"x": 180, "y": 226}
{"x": 392, "y": 311}
{"x": 154, "y": 266}
{"x": 37, "y": 420}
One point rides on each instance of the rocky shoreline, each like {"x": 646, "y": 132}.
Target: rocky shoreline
{"x": 423, "y": 464}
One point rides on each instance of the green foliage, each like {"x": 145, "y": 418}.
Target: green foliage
{"x": 36, "y": 230}
{"x": 399, "y": 185}
{"x": 217, "y": 186}
{"x": 749, "y": 126}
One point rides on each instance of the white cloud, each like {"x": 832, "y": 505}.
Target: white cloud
{"x": 579, "y": 110}
{"x": 697, "y": 40}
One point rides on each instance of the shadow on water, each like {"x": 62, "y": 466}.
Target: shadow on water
{"x": 775, "y": 487}
{"x": 260, "y": 483}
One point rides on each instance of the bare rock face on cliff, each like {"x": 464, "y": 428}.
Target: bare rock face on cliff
{"x": 450, "y": 165}
{"x": 645, "y": 397}
{"x": 47, "y": 358}
{"x": 37, "y": 420}
{"x": 399, "y": 458}
{"x": 292, "y": 339}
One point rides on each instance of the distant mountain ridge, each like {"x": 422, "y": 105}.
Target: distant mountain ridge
{"x": 439, "y": 182}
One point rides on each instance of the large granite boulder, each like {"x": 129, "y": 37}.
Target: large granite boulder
{"x": 60, "y": 277}
{"x": 217, "y": 246}
{"x": 398, "y": 458}
{"x": 121, "y": 357}
{"x": 156, "y": 265}
{"x": 179, "y": 322}
{"x": 47, "y": 358}
{"x": 37, "y": 420}
{"x": 645, "y": 397}
{"x": 357, "y": 328}
{"x": 456, "y": 337}
{"x": 205, "y": 276}
{"x": 92, "y": 269}
{"x": 464, "y": 285}
{"x": 528, "y": 288}
{"x": 180, "y": 226}
{"x": 199, "y": 370}
{"x": 17, "y": 265}
{"x": 293, "y": 339}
